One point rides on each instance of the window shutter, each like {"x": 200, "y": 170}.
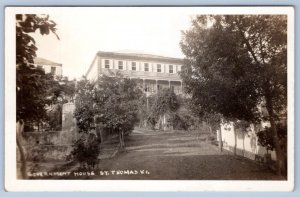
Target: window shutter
{"x": 102, "y": 63}
{"x": 124, "y": 65}
{"x": 154, "y": 67}
{"x": 143, "y": 66}
{"x": 178, "y": 67}
{"x": 111, "y": 64}
{"x": 167, "y": 66}
{"x": 129, "y": 65}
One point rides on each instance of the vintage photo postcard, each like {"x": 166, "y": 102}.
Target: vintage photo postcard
{"x": 149, "y": 98}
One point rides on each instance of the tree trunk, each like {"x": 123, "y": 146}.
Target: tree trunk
{"x": 220, "y": 140}
{"x": 20, "y": 128}
{"x": 99, "y": 132}
{"x": 121, "y": 139}
{"x": 235, "y": 141}
{"x": 243, "y": 144}
{"x": 210, "y": 129}
{"x": 279, "y": 152}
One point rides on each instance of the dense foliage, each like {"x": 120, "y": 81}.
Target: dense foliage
{"x": 117, "y": 101}
{"x": 31, "y": 82}
{"x": 237, "y": 64}
{"x": 33, "y": 93}
{"x": 162, "y": 103}
{"x": 113, "y": 102}
{"x": 85, "y": 151}
{"x": 266, "y": 140}
{"x": 84, "y": 102}
{"x": 33, "y": 85}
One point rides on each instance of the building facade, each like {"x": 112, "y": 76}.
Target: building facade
{"x": 152, "y": 72}
{"x": 49, "y": 66}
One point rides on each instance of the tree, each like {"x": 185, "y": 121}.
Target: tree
{"x": 117, "y": 101}
{"x": 31, "y": 88}
{"x": 162, "y": 103}
{"x": 59, "y": 92}
{"x": 236, "y": 64}
{"x": 68, "y": 89}
{"x": 33, "y": 93}
{"x": 112, "y": 101}
{"x": 266, "y": 140}
{"x": 211, "y": 118}
{"x": 84, "y": 102}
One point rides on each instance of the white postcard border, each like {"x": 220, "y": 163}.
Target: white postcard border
{"x": 13, "y": 184}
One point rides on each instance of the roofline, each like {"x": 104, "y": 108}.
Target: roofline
{"x": 52, "y": 63}
{"x": 137, "y": 57}
{"x": 90, "y": 68}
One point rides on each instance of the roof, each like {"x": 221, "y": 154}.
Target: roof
{"x": 139, "y": 56}
{"x": 42, "y": 61}
{"x": 139, "y": 53}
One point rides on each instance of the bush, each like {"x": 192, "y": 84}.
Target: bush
{"x": 265, "y": 137}
{"x": 86, "y": 150}
{"x": 160, "y": 104}
{"x": 179, "y": 122}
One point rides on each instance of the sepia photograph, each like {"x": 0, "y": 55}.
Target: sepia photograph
{"x": 157, "y": 94}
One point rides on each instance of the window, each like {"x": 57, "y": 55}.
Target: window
{"x": 106, "y": 63}
{"x": 120, "y": 63}
{"x": 146, "y": 67}
{"x": 170, "y": 68}
{"x": 133, "y": 65}
{"x": 159, "y": 68}
{"x": 53, "y": 70}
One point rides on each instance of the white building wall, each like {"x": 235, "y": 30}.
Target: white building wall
{"x": 93, "y": 72}
{"x": 58, "y": 69}
{"x": 163, "y": 68}
{"x": 140, "y": 65}
{"x": 246, "y": 142}
{"x": 150, "y": 67}
{"x": 154, "y": 67}
{"x": 178, "y": 68}
{"x": 175, "y": 68}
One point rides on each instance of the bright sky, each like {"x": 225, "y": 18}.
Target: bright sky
{"x": 83, "y": 32}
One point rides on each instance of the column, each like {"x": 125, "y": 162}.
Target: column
{"x": 181, "y": 87}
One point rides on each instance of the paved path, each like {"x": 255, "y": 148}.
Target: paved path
{"x": 162, "y": 155}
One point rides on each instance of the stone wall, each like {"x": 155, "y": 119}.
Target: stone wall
{"x": 43, "y": 153}
{"x": 52, "y": 145}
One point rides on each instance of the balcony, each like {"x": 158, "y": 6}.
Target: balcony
{"x": 144, "y": 74}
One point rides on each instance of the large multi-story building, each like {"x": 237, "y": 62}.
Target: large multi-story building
{"x": 152, "y": 72}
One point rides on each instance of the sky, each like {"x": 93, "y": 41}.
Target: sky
{"x": 84, "y": 31}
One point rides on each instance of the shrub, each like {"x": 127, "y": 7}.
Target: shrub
{"x": 86, "y": 151}
{"x": 265, "y": 138}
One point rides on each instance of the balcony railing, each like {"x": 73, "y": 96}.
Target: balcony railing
{"x": 145, "y": 74}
